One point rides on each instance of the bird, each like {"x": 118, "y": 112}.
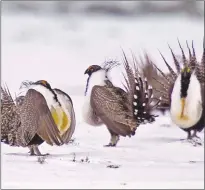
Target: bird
{"x": 120, "y": 110}
{"x": 60, "y": 104}
{"x": 43, "y": 114}
{"x": 182, "y": 91}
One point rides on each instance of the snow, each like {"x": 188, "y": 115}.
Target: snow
{"x": 153, "y": 158}
{"x": 59, "y": 50}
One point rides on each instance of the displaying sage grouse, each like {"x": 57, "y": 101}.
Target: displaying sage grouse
{"x": 182, "y": 91}
{"x": 122, "y": 111}
{"x": 43, "y": 114}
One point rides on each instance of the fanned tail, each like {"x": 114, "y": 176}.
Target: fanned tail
{"x": 9, "y": 118}
{"x": 129, "y": 78}
{"x": 6, "y": 97}
{"x": 140, "y": 93}
{"x": 158, "y": 80}
{"x": 142, "y": 101}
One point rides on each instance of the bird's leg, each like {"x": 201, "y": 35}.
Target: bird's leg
{"x": 32, "y": 153}
{"x": 114, "y": 139}
{"x": 194, "y": 134}
{"x": 37, "y": 151}
{"x": 196, "y": 139}
{"x": 189, "y": 135}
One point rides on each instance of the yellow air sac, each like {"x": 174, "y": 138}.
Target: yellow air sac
{"x": 61, "y": 120}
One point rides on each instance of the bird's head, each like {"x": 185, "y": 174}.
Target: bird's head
{"x": 91, "y": 69}
{"x": 43, "y": 83}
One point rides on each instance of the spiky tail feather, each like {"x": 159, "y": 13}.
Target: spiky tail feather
{"x": 158, "y": 80}
{"x": 10, "y": 120}
{"x": 142, "y": 101}
{"x": 140, "y": 93}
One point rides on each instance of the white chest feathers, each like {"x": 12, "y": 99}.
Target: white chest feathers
{"x": 97, "y": 78}
{"x": 48, "y": 95}
{"x": 192, "y": 103}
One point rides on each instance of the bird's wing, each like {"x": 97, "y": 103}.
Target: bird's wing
{"x": 203, "y": 94}
{"x": 36, "y": 118}
{"x": 203, "y": 101}
{"x": 70, "y": 109}
{"x": 110, "y": 107}
{"x": 200, "y": 72}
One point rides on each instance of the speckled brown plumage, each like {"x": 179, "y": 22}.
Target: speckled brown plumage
{"x": 9, "y": 117}
{"x": 30, "y": 123}
{"x": 122, "y": 111}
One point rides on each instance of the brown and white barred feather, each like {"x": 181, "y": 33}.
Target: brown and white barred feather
{"x": 140, "y": 93}
{"x": 142, "y": 101}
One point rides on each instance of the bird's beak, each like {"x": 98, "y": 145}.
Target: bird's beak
{"x": 183, "y": 105}
{"x": 86, "y": 71}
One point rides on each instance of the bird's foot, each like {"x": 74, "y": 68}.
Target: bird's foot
{"x": 110, "y": 145}
{"x": 113, "y": 141}
{"x": 196, "y": 141}
{"x": 32, "y": 154}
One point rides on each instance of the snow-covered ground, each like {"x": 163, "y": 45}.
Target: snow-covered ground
{"x": 59, "y": 50}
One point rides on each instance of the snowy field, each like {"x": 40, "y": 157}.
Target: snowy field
{"x": 59, "y": 50}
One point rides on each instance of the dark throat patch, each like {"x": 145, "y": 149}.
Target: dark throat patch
{"x": 185, "y": 80}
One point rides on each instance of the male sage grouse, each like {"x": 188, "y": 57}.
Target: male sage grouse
{"x": 43, "y": 114}
{"x": 182, "y": 91}
{"x": 122, "y": 111}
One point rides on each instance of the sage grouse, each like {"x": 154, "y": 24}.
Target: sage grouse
{"x": 182, "y": 91}
{"x": 43, "y": 114}
{"x": 122, "y": 111}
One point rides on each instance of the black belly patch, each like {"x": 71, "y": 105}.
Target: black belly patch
{"x": 37, "y": 140}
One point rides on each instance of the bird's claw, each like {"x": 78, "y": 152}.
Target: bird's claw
{"x": 110, "y": 145}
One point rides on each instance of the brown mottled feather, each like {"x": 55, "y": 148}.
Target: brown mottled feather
{"x": 112, "y": 109}
{"x": 36, "y": 118}
{"x": 10, "y": 118}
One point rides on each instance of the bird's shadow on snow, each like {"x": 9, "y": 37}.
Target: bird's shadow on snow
{"x": 16, "y": 154}
{"x": 50, "y": 155}
{"x": 154, "y": 140}
{"x": 163, "y": 139}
